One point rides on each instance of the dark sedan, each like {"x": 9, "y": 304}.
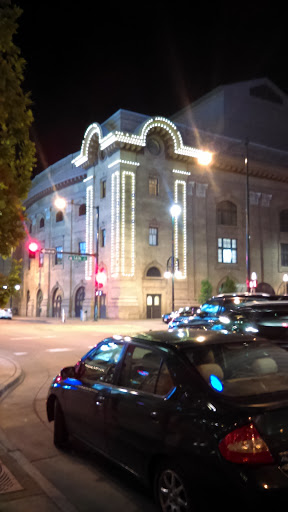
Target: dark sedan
{"x": 179, "y": 409}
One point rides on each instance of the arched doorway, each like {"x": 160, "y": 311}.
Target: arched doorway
{"x": 39, "y": 299}
{"x": 56, "y": 303}
{"x": 79, "y": 298}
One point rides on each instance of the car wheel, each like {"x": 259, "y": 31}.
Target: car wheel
{"x": 60, "y": 429}
{"x": 171, "y": 489}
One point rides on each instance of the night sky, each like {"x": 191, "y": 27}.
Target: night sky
{"x": 87, "y": 60}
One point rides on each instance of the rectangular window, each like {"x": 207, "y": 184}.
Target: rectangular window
{"x": 153, "y": 236}
{"x": 153, "y": 186}
{"x": 59, "y": 255}
{"x": 227, "y": 250}
{"x": 284, "y": 255}
{"x": 82, "y": 247}
{"x": 103, "y": 237}
{"x": 103, "y": 188}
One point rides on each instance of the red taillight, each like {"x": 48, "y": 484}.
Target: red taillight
{"x": 245, "y": 446}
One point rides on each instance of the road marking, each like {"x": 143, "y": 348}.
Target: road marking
{"x": 20, "y": 353}
{"x": 57, "y": 349}
{"x": 26, "y": 338}
{"x": 52, "y": 336}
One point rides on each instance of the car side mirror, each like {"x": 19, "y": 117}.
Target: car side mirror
{"x": 79, "y": 369}
{"x": 67, "y": 372}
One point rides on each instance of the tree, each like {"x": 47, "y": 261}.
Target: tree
{"x": 229, "y": 286}
{"x": 206, "y": 291}
{"x": 17, "y": 151}
{"x": 8, "y": 283}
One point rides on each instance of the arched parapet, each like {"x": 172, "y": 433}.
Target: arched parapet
{"x": 91, "y": 142}
{"x": 164, "y": 125}
{"x": 94, "y": 137}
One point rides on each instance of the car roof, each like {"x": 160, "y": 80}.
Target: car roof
{"x": 185, "y": 337}
{"x": 240, "y": 294}
{"x": 280, "y": 304}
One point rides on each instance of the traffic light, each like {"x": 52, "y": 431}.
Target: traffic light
{"x": 100, "y": 277}
{"x": 33, "y": 247}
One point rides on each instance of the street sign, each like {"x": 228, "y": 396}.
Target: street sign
{"x": 77, "y": 257}
{"x": 48, "y": 251}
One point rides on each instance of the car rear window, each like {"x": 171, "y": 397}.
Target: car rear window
{"x": 242, "y": 369}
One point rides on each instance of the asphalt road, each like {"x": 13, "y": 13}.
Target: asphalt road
{"x": 84, "y": 481}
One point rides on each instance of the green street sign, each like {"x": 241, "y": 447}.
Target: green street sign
{"x": 77, "y": 257}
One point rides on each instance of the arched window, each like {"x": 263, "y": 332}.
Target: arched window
{"x": 284, "y": 221}
{"x": 227, "y": 213}
{"x": 42, "y": 223}
{"x": 82, "y": 209}
{"x": 153, "y": 272}
{"x": 59, "y": 216}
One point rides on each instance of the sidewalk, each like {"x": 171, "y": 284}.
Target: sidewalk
{"x": 22, "y": 487}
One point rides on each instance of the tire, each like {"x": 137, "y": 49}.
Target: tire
{"x": 60, "y": 430}
{"x": 171, "y": 489}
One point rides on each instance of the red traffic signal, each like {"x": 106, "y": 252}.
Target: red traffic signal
{"x": 100, "y": 277}
{"x": 33, "y": 247}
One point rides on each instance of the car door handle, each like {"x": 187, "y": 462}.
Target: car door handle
{"x": 100, "y": 400}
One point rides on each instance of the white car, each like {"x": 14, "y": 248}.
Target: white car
{"x": 6, "y": 313}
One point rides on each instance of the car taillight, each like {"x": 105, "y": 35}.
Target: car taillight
{"x": 245, "y": 446}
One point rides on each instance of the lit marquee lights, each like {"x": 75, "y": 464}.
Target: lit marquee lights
{"x": 115, "y": 223}
{"x": 89, "y": 231}
{"x": 126, "y": 175}
{"x": 126, "y": 162}
{"x": 203, "y": 157}
{"x": 177, "y": 185}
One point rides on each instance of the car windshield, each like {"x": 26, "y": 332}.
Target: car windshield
{"x": 242, "y": 369}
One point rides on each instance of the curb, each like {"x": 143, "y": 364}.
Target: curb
{"x": 12, "y": 381}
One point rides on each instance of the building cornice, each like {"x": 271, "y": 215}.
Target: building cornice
{"x": 58, "y": 186}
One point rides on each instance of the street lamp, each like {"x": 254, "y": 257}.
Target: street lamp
{"x": 285, "y": 280}
{"x": 247, "y": 220}
{"x": 205, "y": 158}
{"x": 61, "y": 203}
{"x": 175, "y": 211}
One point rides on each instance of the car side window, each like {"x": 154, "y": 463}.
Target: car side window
{"x": 101, "y": 362}
{"x": 143, "y": 369}
{"x": 211, "y": 308}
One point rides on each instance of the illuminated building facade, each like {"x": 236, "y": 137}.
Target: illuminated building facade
{"x": 119, "y": 189}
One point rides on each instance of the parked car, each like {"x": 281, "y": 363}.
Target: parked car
{"x": 267, "y": 319}
{"x": 179, "y": 409}
{"x": 6, "y": 313}
{"x": 209, "y": 312}
{"x": 182, "y": 314}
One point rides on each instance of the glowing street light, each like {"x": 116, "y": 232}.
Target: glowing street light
{"x": 60, "y": 203}
{"x": 205, "y": 158}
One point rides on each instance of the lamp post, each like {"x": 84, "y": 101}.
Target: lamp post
{"x": 61, "y": 203}
{"x": 247, "y": 220}
{"x": 175, "y": 211}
